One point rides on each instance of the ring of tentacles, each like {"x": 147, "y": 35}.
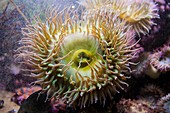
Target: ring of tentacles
{"x": 82, "y": 62}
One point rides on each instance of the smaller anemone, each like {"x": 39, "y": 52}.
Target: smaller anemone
{"x": 137, "y": 13}
{"x": 161, "y": 59}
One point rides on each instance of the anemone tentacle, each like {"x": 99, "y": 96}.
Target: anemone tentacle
{"x": 160, "y": 59}
{"x": 81, "y": 61}
{"x": 137, "y": 13}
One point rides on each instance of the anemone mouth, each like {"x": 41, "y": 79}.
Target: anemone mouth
{"x": 165, "y": 60}
{"x": 82, "y": 58}
{"x": 81, "y": 53}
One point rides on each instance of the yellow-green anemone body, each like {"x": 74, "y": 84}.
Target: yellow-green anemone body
{"x": 83, "y": 54}
{"x": 82, "y": 62}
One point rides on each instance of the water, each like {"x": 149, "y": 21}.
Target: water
{"x": 144, "y": 88}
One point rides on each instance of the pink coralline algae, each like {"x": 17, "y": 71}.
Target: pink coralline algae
{"x": 134, "y": 106}
{"x": 57, "y": 105}
{"x": 23, "y": 93}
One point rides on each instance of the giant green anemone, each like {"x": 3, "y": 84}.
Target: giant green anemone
{"x": 81, "y": 61}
